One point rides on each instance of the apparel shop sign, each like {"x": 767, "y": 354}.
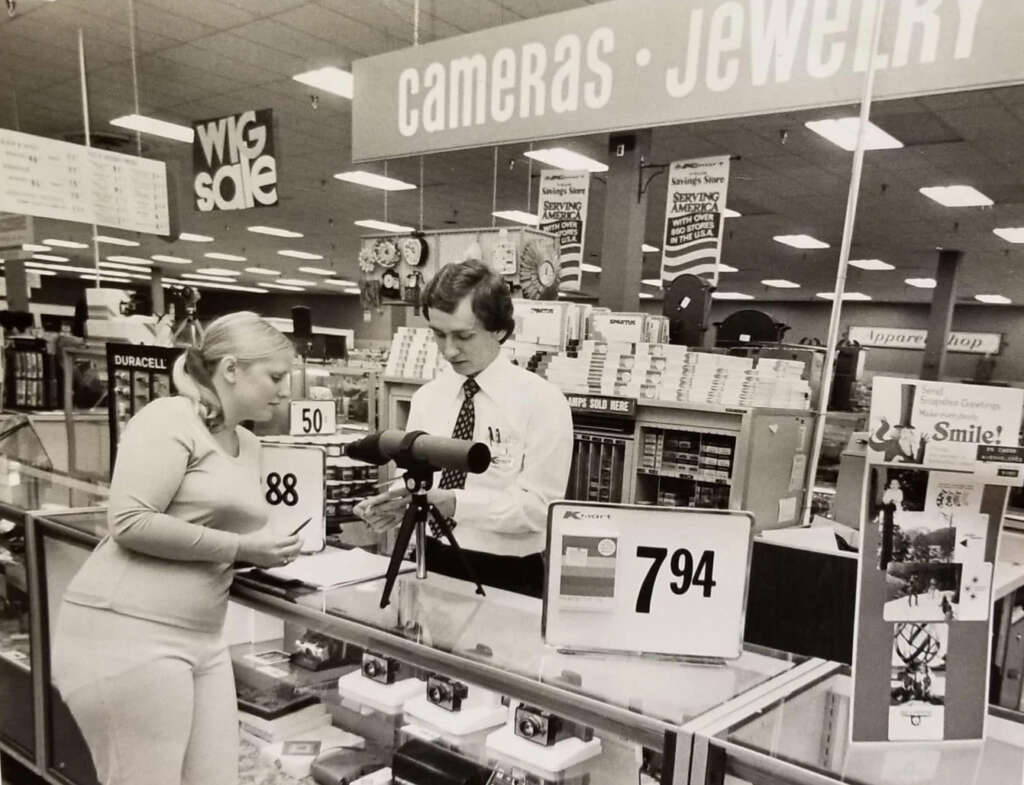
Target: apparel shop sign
{"x": 640, "y": 63}
{"x": 234, "y": 164}
{"x": 901, "y": 338}
{"x": 562, "y": 210}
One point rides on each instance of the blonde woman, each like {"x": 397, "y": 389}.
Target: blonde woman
{"x": 139, "y": 656}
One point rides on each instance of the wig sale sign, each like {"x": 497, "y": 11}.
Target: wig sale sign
{"x": 234, "y": 164}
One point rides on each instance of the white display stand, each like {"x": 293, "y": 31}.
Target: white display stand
{"x": 478, "y": 712}
{"x": 386, "y": 698}
{"x": 548, "y": 762}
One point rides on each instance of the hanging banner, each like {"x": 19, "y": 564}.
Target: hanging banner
{"x": 233, "y": 161}
{"x": 606, "y": 67}
{"x": 694, "y": 207}
{"x": 562, "y": 210}
{"x": 906, "y": 338}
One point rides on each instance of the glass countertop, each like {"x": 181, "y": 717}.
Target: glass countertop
{"x": 809, "y": 729}
{"x": 503, "y": 630}
{"x": 26, "y": 487}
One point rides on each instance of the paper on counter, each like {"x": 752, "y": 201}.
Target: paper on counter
{"x": 337, "y": 567}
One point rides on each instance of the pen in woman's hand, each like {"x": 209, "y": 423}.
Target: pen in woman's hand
{"x": 301, "y": 527}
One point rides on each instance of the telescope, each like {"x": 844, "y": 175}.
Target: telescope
{"x": 437, "y": 451}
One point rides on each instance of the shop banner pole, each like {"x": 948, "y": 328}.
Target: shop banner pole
{"x": 88, "y": 143}
{"x": 825, "y": 387}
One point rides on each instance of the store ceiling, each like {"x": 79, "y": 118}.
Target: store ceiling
{"x": 207, "y": 58}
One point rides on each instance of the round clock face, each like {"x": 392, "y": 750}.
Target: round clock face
{"x": 546, "y": 273}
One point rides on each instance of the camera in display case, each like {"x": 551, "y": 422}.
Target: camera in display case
{"x": 446, "y": 693}
{"x": 380, "y": 668}
{"x": 539, "y": 726}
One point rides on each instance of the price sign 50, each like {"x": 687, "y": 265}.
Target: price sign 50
{"x": 313, "y": 418}
{"x": 681, "y": 566}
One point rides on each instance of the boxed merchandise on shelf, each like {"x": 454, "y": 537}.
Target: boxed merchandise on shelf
{"x": 414, "y": 354}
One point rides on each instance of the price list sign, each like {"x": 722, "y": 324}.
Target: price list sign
{"x": 69, "y": 182}
{"x": 646, "y": 579}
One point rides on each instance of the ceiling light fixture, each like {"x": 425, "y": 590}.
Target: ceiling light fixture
{"x": 316, "y": 271}
{"x": 105, "y": 238}
{"x": 780, "y": 283}
{"x": 1012, "y": 234}
{"x": 728, "y": 212}
{"x": 64, "y": 268}
{"x": 300, "y": 254}
{"x": 382, "y": 226}
{"x": 107, "y": 278}
{"x": 159, "y": 257}
{"x": 371, "y": 180}
{"x": 217, "y": 271}
{"x": 195, "y": 238}
{"x": 284, "y": 286}
{"x": 35, "y": 247}
{"x": 843, "y": 132}
{"x": 130, "y": 259}
{"x": 150, "y": 125}
{"x": 351, "y": 291}
{"x": 330, "y": 79}
{"x": 64, "y": 244}
{"x": 262, "y": 271}
{"x": 846, "y": 296}
{"x": 871, "y": 264}
{"x": 652, "y": 282}
{"x": 518, "y": 216}
{"x": 225, "y": 257}
{"x": 273, "y": 231}
{"x": 993, "y": 299}
{"x": 129, "y": 267}
{"x": 727, "y": 268}
{"x": 800, "y": 241}
{"x": 646, "y": 296}
{"x": 211, "y": 285}
{"x": 50, "y": 257}
{"x": 731, "y": 296}
{"x": 561, "y": 158}
{"x": 649, "y": 248}
{"x": 340, "y": 282}
{"x": 956, "y": 196}
{"x": 296, "y": 282}
{"x": 920, "y": 283}
{"x": 590, "y": 268}
{"x": 201, "y": 277}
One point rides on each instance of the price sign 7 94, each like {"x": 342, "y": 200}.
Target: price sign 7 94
{"x": 681, "y": 565}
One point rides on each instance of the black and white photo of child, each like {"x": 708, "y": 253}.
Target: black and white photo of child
{"x": 895, "y": 501}
{"x": 917, "y": 682}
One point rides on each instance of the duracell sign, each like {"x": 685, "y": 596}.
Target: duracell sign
{"x": 639, "y": 63}
{"x": 233, "y": 162}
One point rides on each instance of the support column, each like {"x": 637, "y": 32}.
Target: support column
{"x": 625, "y": 214}
{"x": 940, "y": 318}
{"x": 17, "y": 285}
{"x": 156, "y": 291}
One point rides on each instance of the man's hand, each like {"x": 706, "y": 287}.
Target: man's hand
{"x": 444, "y": 500}
{"x": 383, "y": 511}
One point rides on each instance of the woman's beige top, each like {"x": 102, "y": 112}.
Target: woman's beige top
{"x": 178, "y": 503}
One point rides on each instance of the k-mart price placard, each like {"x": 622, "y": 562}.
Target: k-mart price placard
{"x": 313, "y": 418}
{"x": 646, "y": 579}
{"x": 292, "y": 482}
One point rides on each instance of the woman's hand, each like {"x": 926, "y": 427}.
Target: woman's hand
{"x": 267, "y": 549}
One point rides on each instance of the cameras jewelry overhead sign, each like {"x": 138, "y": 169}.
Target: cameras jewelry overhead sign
{"x": 640, "y": 63}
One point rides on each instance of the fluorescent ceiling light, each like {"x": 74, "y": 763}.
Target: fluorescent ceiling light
{"x": 316, "y": 271}
{"x": 50, "y": 257}
{"x": 590, "y": 268}
{"x": 150, "y": 125}
{"x": 339, "y": 282}
{"x": 195, "y": 238}
{"x": 652, "y": 282}
{"x": 956, "y": 196}
{"x": 519, "y": 216}
{"x": 728, "y": 212}
{"x": 296, "y": 282}
{"x": 64, "y": 268}
{"x": 211, "y": 285}
{"x": 920, "y": 283}
{"x": 217, "y": 271}
{"x": 846, "y": 296}
{"x": 284, "y": 286}
{"x": 274, "y": 232}
{"x": 129, "y": 267}
{"x": 799, "y": 241}
{"x": 42, "y": 272}
{"x": 1012, "y": 234}
{"x": 105, "y": 238}
{"x": 300, "y": 254}
{"x": 104, "y": 277}
{"x": 64, "y": 244}
{"x": 727, "y": 268}
{"x": 993, "y": 299}
{"x": 351, "y": 291}
{"x": 843, "y": 132}
{"x": 262, "y": 271}
{"x": 129, "y": 259}
{"x": 371, "y": 180}
{"x": 34, "y": 247}
{"x": 731, "y": 296}
{"x": 646, "y": 296}
{"x": 201, "y": 277}
{"x": 227, "y": 257}
{"x": 329, "y": 79}
{"x": 383, "y": 226}
{"x": 649, "y": 248}
{"x": 561, "y": 158}
{"x": 159, "y": 257}
{"x": 871, "y": 264}
{"x": 780, "y": 283}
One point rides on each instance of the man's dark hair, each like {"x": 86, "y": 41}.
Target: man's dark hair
{"x": 491, "y": 299}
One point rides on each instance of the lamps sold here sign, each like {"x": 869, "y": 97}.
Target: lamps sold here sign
{"x": 638, "y": 63}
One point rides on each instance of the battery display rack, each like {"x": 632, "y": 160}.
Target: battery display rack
{"x": 683, "y": 468}
{"x": 29, "y": 370}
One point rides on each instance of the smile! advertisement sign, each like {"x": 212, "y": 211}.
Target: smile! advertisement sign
{"x": 233, "y": 161}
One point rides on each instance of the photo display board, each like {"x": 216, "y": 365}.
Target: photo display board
{"x": 643, "y": 579}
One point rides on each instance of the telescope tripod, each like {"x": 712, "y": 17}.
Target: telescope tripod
{"x": 419, "y": 478}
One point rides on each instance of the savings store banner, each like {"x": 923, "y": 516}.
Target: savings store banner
{"x": 562, "y": 210}
{"x": 640, "y": 63}
{"x": 233, "y": 160}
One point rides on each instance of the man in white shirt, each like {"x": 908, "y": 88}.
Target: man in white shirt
{"x": 500, "y": 516}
